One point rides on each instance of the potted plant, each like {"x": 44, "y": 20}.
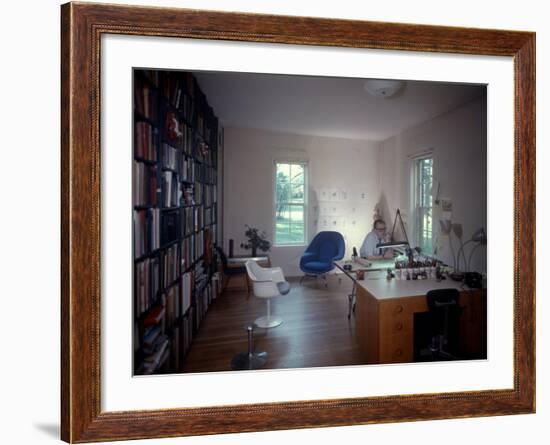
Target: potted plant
{"x": 256, "y": 240}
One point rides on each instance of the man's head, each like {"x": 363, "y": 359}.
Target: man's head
{"x": 379, "y": 227}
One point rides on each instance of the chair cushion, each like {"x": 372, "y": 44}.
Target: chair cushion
{"x": 284, "y": 287}
{"x": 318, "y": 266}
{"x": 327, "y": 251}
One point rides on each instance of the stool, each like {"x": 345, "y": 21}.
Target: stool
{"x": 250, "y": 359}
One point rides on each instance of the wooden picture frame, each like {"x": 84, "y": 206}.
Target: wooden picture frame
{"x": 82, "y": 26}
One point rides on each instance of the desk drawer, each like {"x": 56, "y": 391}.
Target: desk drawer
{"x": 397, "y": 349}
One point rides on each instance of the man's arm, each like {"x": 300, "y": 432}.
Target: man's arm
{"x": 368, "y": 249}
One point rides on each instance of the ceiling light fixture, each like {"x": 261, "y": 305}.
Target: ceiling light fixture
{"x": 383, "y": 87}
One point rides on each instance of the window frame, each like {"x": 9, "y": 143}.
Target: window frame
{"x": 418, "y": 226}
{"x": 305, "y": 164}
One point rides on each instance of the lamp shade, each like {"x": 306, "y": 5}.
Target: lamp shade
{"x": 446, "y": 226}
{"x": 480, "y": 236}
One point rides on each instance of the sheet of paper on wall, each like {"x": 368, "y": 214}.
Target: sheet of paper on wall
{"x": 342, "y": 222}
{"x": 343, "y": 195}
{"x": 322, "y": 194}
{"x": 333, "y": 194}
{"x": 326, "y": 210}
{"x": 363, "y": 196}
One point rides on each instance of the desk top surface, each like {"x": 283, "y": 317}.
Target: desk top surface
{"x": 383, "y": 289}
{"x": 366, "y": 265}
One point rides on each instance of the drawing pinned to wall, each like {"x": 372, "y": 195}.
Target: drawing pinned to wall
{"x": 343, "y": 195}
{"x": 327, "y": 209}
{"x": 333, "y": 194}
{"x": 323, "y": 194}
{"x": 324, "y": 223}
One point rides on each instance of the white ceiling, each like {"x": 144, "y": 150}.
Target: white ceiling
{"x": 325, "y": 106}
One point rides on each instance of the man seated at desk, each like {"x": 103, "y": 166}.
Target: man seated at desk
{"x": 377, "y": 235}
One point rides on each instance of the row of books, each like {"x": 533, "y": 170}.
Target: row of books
{"x": 146, "y": 231}
{"x": 209, "y": 215}
{"x": 187, "y": 169}
{"x": 145, "y": 146}
{"x": 188, "y": 196}
{"x": 187, "y": 252}
{"x": 168, "y": 338}
{"x": 146, "y": 284}
{"x": 144, "y": 184}
{"x": 145, "y": 100}
{"x": 159, "y": 353}
{"x": 205, "y": 126}
{"x": 209, "y": 175}
{"x": 170, "y": 270}
{"x": 209, "y": 194}
{"x": 192, "y": 220}
{"x": 173, "y": 333}
{"x": 171, "y": 190}
{"x": 203, "y": 299}
{"x": 151, "y": 75}
{"x": 188, "y": 220}
{"x": 169, "y": 227}
{"x": 176, "y": 85}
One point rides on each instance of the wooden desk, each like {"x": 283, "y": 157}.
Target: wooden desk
{"x": 385, "y": 317}
{"x": 360, "y": 266}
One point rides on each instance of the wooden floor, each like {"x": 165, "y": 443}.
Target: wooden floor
{"x": 315, "y": 331}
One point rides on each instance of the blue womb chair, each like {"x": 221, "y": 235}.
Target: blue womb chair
{"x": 319, "y": 257}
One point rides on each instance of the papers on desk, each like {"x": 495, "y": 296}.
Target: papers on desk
{"x": 363, "y": 262}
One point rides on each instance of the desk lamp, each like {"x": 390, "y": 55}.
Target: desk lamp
{"x": 392, "y": 243}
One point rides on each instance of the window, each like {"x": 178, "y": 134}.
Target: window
{"x": 423, "y": 203}
{"x": 290, "y": 203}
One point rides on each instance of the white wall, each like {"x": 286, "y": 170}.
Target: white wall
{"x": 459, "y": 143}
{"x": 344, "y": 164}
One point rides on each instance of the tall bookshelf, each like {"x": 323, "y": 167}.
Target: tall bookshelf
{"x": 175, "y": 197}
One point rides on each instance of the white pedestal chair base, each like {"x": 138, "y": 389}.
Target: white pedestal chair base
{"x": 268, "y": 322}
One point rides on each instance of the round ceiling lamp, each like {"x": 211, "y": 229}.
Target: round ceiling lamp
{"x": 383, "y": 87}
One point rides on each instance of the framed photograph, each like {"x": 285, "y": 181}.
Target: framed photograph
{"x": 274, "y": 222}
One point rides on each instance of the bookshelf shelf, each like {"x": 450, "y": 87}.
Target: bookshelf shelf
{"x": 141, "y": 118}
{"x": 145, "y": 161}
{"x": 175, "y": 217}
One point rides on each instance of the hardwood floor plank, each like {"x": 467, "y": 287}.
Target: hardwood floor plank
{"x": 315, "y": 331}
